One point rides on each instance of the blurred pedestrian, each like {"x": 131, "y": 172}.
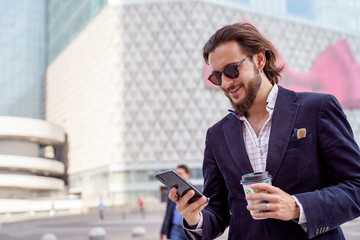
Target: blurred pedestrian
{"x": 52, "y": 211}
{"x": 172, "y": 226}
{"x": 141, "y": 206}
{"x": 101, "y": 209}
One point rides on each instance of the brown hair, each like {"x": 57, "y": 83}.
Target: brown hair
{"x": 186, "y": 168}
{"x": 251, "y": 42}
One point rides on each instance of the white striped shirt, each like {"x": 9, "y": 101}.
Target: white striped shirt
{"x": 257, "y": 146}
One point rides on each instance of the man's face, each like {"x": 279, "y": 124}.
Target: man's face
{"x": 242, "y": 90}
{"x": 183, "y": 173}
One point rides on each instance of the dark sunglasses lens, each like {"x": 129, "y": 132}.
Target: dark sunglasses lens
{"x": 231, "y": 71}
{"x": 215, "y": 78}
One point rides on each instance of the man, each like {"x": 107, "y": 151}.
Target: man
{"x": 172, "y": 226}
{"x": 141, "y": 206}
{"x": 302, "y": 139}
{"x": 101, "y": 208}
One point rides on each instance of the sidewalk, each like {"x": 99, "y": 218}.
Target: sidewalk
{"x": 77, "y": 227}
{"x": 116, "y": 225}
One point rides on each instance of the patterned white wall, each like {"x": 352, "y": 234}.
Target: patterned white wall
{"x": 169, "y": 108}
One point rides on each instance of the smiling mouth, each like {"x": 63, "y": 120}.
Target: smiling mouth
{"x": 234, "y": 90}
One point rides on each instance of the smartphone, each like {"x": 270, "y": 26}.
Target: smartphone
{"x": 170, "y": 178}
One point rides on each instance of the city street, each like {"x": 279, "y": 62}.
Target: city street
{"x": 117, "y": 226}
{"x": 77, "y": 227}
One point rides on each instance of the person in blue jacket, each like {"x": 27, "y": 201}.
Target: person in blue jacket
{"x": 101, "y": 208}
{"x": 172, "y": 226}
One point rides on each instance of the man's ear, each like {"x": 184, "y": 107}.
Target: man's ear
{"x": 260, "y": 60}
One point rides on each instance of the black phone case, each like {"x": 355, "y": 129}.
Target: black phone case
{"x": 171, "y": 179}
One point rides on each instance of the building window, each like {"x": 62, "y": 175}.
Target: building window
{"x": 303, "y": 8}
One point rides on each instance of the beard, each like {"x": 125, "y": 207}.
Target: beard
{"x": 251, "y": 91}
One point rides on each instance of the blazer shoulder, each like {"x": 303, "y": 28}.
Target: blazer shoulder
{"x": 319, "y": 100}
{"x": 220, "y": 123}
{"x": 311, "y": 98}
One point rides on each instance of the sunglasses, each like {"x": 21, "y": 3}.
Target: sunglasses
{"x": 230, "y": 71}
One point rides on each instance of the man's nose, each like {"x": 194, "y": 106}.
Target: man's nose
{"x": 225, "y": 81}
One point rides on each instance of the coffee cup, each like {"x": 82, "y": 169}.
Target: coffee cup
{"x": 251, "y": 178}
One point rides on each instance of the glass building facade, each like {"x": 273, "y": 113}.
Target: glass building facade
{"x": 22, "y": 57}
{"x": 32, "y": 34}
{"x": 66, "y": 19}
{"x": 338, "y": 15}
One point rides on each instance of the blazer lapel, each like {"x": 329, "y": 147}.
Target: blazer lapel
{"x": 282, "y": 126}
{"x": 235, "y": 142}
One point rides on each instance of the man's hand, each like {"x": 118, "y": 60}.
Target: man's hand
{"x": 281, "y": 205}
{"x": 190, "y": 212}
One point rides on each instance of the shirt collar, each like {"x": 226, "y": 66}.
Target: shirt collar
{"x": 270, "y": 101}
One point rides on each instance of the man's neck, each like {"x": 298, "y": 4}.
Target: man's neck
{"x": 259, "y": 106}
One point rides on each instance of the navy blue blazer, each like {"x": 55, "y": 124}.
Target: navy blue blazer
{"x": 167, "y": 224}
{"x": 322, "y": 170}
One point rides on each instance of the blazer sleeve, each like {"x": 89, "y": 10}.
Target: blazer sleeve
{"x": 339, "y": 201}
{"x": 216, "y": 215}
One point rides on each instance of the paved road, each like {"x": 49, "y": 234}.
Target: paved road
{"x": 77, "y": 227}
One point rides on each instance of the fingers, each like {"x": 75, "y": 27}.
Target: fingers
{"x": 191, "y": 212}
{"x": 173, "y": 196}
{"x": 268, "y": 193}
{"x": 185, "y": 198}
{"x": 265, "y": 192}
{"x": 263, "y": 207}
{"x": 183, "y": 201}
{"x": 184, "y": 206}
{"x": 261, "y": 196}
{"x": 266, "y": 210}
{"x": 267, "y": 187}
{"x": 280, "y": 204}
{"x": 259, "y": 211}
